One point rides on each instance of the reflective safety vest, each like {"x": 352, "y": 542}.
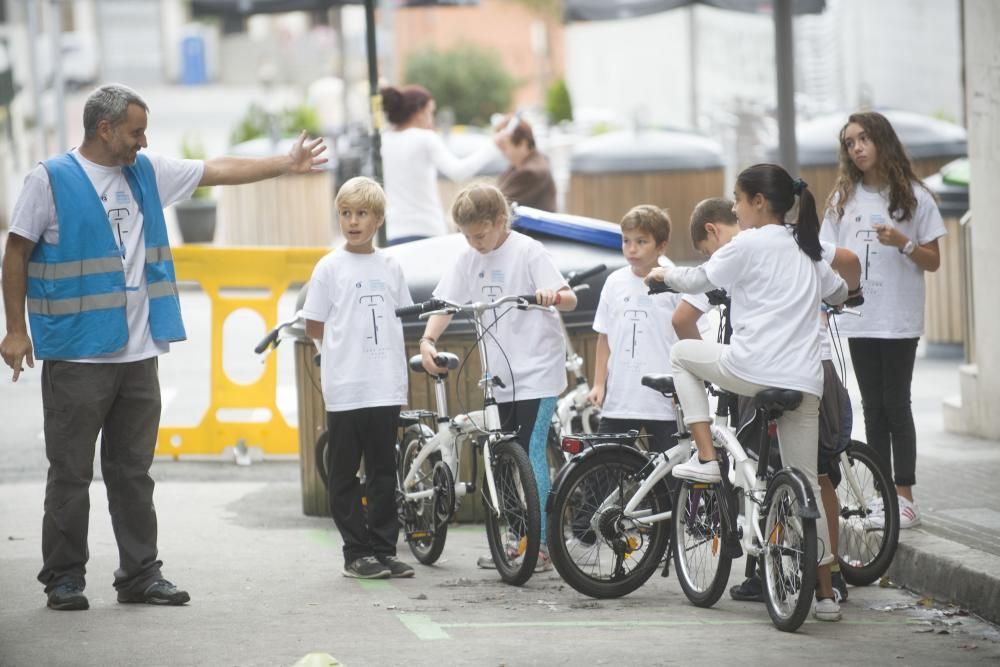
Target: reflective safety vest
{"x": 76, "y": 287}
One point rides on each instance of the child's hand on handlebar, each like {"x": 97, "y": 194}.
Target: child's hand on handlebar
{"x": 547, "y": 297}
{"x": 659, "y": 274}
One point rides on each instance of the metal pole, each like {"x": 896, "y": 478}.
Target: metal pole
{"x": 58, "y": 84}
{"x": 376, "y": 101}
{"x": 784, "y": 55}
{"x": 41, "y": 149}
{"x": 693, "y": 71}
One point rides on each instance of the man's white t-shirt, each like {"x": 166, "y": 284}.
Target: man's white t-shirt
{"x": 776, "y": 291}
{"x": 640, "y": 336}
{"x": 893, "y": 283}
{"x": 355, "y": 296}
{"x": 34, "y": 218}
{"x": 411, "y": 160}
{"x": 530, "y": 341}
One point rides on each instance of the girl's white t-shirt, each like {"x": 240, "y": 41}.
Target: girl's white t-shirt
{"x": 776, "y": 291}
{"x": 640, "y": 336}
{"x": 363, "y": 356}
{"x": 34, "y": 218}
{"x": 893, "y": 283}
{"x": 411, "y": 160}
{"x": 528, "y": 342}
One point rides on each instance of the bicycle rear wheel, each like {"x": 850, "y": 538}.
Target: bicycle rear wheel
{"x": 865, "y": 547}
{"x": 513, "y": 529}
{"x": 425, "y": 522}
{"x": 593, "y": 546}
{"x": 700, "y": 558}
{"x": 789, "y": 554}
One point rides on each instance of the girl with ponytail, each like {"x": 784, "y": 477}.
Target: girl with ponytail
{"x": 776, "y": 280}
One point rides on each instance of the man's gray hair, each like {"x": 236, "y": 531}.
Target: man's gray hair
{"x": 108, "y": 103}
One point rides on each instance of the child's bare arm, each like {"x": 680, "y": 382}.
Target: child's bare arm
{"x": 314, "y": 329}
{"x": 847, "y": 264}
{"x": 436, "y": 325}
{"x": 685, "y": 321}
{"x": 602, "y": 353}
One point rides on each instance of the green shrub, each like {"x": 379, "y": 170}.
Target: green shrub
{"x": 557, "y": 102}
{"x": 469, "y": 80}
{"x": 256, "y": 123}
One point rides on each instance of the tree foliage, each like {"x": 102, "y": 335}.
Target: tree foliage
{"x": 557, "y": 102}
{"x": 469, "y": 80}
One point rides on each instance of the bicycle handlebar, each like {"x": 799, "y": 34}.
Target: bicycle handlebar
{"x": 433, "y": 305}
{"x": 267, "y": 341}
{"x": 660, "y": 287}
{"x": 577, "y": 278}
{"x": 421, "y": 308}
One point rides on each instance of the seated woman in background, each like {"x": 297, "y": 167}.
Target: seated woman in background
{"x": 528, "y": 179}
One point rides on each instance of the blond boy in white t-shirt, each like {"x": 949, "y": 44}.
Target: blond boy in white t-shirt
{"x": 350, "y": 306}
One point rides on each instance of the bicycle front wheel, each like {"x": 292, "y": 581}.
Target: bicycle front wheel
{"x": 789, "y": 553}
{"x": 594, "y": 547}
{"x": 425, "y": 524}
{"x": 513, "y": 528}
{"x": 869, "y": 516}
{"x": 700, "y": 559}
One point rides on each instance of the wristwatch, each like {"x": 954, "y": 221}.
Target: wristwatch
{"x": 908, "y": 248}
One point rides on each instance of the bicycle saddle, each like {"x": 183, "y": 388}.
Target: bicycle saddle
{"x": 660, "y": 382}
{"x": 777, "y": 401}
{"x": 451, "y": 362}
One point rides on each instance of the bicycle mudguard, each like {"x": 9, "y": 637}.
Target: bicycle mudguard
{"x": 593, "y": 450}
{"x": 809, "y": 509}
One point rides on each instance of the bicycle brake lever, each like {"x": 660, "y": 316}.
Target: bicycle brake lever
{"x": 498, "y": 382}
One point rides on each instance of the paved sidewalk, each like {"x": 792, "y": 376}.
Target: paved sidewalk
{"x": 955, "y": 554}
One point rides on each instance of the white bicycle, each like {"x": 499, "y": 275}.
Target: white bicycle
{"x": 429, "y": 489}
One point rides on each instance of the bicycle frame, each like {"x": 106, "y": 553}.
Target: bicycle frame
{"x": 485, "y": 422}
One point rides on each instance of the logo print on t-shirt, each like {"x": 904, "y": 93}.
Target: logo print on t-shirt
{"x": 492, "y": 293}
{"x": 374, "y": 303}
{"x": 634, "y": 316}
{"x": 119, "y": 219}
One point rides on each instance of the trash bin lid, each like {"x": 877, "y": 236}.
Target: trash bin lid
{"x": 645, "y": 150}
{"x": 922, "y": 136}
{"x": 951, "y": 185}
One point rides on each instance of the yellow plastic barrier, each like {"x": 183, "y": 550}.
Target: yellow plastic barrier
{"x": 216, "y": 269}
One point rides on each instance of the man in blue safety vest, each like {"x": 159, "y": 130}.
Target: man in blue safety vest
{"x": 88, "y": 254}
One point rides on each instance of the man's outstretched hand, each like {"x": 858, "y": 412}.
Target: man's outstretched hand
{"x": 306, "y": 155}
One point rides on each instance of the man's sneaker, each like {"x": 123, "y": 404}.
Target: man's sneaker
{"x": 68, "y": 596}
{"x": 160, "y": 592}
{"x": 696, "y": 471}
{"x": 909, "y": 515}
{"x": 397, "y": 568}
{"x": 367, "y": 567}
{"x": 749, "y": 591}
{"x": 544, "y": 563}
{"x": 827, "y": 610}
{"x": 839, "y": 587}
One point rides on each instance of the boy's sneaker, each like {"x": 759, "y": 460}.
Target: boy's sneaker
{"x": 839, "y": 587}
{"x": 366, "y": 567}
{"x": 696, "y": 471}
{"x": 749, "y": 591}
{"x": 68, "y": 596}
{"x": 827, "y": 610}
{"x": 486, "y": 562}
{"x": 909, "y": 515}
{"x": 160, "y": 592}
{"x": 397, "y": 568}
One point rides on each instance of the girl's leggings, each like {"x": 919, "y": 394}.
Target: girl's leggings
{"x": 884, "y": 368}
{"x": 531, "y": 420}
{"x": 695, "y": 361}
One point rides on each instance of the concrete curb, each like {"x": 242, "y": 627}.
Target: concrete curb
{"x": 950, "y": 571}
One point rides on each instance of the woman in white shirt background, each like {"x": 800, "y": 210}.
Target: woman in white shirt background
{"x": 413, "y": 154}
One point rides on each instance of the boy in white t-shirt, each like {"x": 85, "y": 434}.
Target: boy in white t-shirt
{"x": 635, "y": 334}
{"x": 500, "y": 262}
{"x": 350, "y": 306}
